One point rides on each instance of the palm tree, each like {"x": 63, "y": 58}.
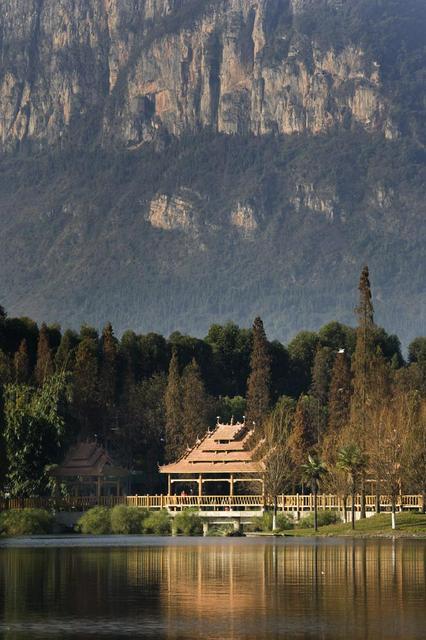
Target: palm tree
{"x": 351, "y": 459}
{"x": 313, "y": 471}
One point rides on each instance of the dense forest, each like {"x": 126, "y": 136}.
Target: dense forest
{"x": 147, "y": 398}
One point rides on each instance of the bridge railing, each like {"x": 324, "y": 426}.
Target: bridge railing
{"x": 287, "y": 503}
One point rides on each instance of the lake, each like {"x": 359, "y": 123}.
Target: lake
{"x": 212, "y": 588}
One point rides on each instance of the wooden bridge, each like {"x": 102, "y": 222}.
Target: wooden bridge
{"x": 209, "y": 505}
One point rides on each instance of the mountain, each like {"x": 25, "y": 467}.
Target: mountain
{"x": 166, "y": 164}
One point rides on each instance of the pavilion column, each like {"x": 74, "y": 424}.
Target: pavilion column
{"x": 231, "y": 485}
{"x": 98, "y": 488}
{"x": 200, "y": 485}
{"x": 169, "y": 485}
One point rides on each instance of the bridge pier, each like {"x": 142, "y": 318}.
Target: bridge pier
{"x": 237, "y": 525}
{"x": 205, "y": 528}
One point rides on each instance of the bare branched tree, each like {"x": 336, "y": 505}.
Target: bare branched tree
{"x": 276, "y": 463}
{"x": 277, "y": 475}
{"x": 393, "y": 425}
{"x": 415, "y": 453}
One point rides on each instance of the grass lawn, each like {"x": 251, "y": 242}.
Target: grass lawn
{"x": 407, "y": 525}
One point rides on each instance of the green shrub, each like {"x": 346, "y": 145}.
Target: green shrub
{"x": 324, "y": 518}
{"x": 284, "y": 522}
{"x": 127, "y": 520}
{"x": 188, "y": 522}
{"x": 25, "y": 522}
{"x": 96, "y": 521}
{"x": 220, "y": 530}
{"x": 158, "y": 522}
{"x": 264, "y": 522}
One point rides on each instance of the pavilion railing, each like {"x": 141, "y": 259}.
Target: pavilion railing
{"x": 287, "y": 503}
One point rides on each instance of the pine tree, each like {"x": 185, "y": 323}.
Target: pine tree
{"x": 194, "y": 404}
{"x": 258, "y": 384}
{"x": 175, "y": 445}
{"x": 44, "y": 367}
{"x": 21, "y": 364}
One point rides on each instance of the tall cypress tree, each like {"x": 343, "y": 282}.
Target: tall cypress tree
{"x": 174, "y": 445}
{"x": 258, "y": 384}
{"x": 339, "y": 402}
{"x": 108, "y": 378}
{"x": 129, "y": 359}
{"x": 194, "y": 404}
{"x": 362, "y": 368}
{"x": 321, "y": 374}
{"x": 109, "y": 367}
{"x": 21, "y": 363}
{"x": 65, "y": 355}
{"x": 44, "y": 366}
{"x": 86, "y": 391}
{"x": 303, "y": 435}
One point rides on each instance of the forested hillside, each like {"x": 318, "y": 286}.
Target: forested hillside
{"x": 167, "y": 164}
{"x": 148, "y": 398}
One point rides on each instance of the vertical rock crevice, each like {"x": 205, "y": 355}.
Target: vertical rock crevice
{"x": 119, "y": 70}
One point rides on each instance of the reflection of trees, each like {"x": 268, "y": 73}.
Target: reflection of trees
{"x": 333, "y": 588}
{"x": 78, "y": 582}
{"x": 233, "y": 589}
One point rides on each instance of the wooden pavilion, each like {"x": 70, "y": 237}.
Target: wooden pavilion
{"x": 88, "y": 470}
{"x": 224, "y": 455}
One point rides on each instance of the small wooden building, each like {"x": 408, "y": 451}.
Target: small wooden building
{"x": 224, "y": 455}
{"x": 88, "y": 470}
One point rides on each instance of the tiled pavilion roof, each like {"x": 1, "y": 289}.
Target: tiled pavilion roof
{"x": 226, "y": 449}
{"x": 88, "y": 459}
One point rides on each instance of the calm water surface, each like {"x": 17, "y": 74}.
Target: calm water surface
{"x": 214, "y": 589}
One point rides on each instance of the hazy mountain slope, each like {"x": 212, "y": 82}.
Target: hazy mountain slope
{"x": 124, "y": 196}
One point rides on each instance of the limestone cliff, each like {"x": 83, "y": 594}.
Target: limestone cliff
{"x": 120, "y": 71}
{"x": 173, "y": 163}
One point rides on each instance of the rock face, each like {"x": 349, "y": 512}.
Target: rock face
{"x": 123, "y": 70}
{"x": 315, "y": 200}
{"x": 172, "y": 213}
{"x": 173, "y": 163}
{"x": 243, "y": 218}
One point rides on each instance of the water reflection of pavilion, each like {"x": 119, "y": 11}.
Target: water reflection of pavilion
{"x": 242, "y": 585}
{"x": 223, "y": 589}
